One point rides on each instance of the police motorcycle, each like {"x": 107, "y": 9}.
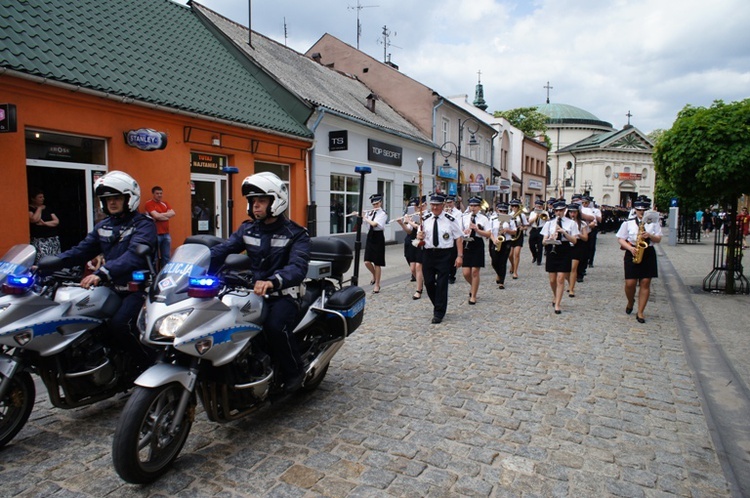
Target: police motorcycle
{"x": 52, "y": 327}
{"x": 209, "y": 329}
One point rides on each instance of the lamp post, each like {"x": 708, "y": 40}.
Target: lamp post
{"x": 587, "y": 187}
{"x": 446, "y": 153}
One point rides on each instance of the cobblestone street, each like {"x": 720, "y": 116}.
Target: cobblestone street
{"x": 504, "y": 398}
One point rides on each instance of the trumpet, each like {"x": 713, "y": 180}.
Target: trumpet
{"x": 544, "y": 216}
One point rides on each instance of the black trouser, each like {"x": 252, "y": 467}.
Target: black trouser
{"x": 454, "y": 255}
{"x": 123, "y": 326}
{"x": 592, "y": 245}
{"x": 436, "y": 266}
{"x": 500, "y": 260}
{"x": 282, "y": 313}
{"x": 535, "y": 244}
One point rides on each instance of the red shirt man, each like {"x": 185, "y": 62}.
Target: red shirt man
{"x": 161, "y": 212}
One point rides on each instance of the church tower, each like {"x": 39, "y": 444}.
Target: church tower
{"x": 479, "y": 94}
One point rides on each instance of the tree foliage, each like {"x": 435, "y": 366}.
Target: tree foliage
{"x": 527, "y": 119}
{"x": 705, "y": 156}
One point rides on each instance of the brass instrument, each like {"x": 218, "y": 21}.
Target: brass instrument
{"x": 500, "y": 237}
{"x": 485, "y": 205}
{"x": 544, "y": 216}
{"x": 499, "y": 243}
{"x": 640, "y": 242}
{"x": 519, "y": 230}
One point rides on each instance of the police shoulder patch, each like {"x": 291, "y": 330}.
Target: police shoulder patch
{"x": 450, "y": 217}
{"x": 427, "y": 216}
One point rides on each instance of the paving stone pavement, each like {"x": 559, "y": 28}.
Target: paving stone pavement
{"x": 504, "y": 398}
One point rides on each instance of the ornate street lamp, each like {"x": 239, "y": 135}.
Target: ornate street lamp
{"x": 446, "y": 152}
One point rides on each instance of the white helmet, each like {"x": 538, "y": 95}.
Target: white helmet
{"x": 266, "y": 184}
{"x": 118, "y": 183}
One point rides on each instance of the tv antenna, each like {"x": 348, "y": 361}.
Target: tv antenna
{"x": 359, "y": 7}
{"x": 285, "y": 32}
{"x": 387, "y": 43}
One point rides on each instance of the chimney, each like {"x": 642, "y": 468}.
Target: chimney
{"x": 316, "y": 57}
{"x": 371, "y": 102}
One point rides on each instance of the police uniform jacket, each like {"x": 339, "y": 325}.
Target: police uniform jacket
{"x": 115, "y": 237}
{"x": 278, "y": 251}
{"x": 448, "y": 231}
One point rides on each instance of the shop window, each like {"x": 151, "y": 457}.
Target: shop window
{"x": 344, "y": 200}
{"x": 48, "y": 146}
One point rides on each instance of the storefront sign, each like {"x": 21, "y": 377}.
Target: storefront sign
{"x": 338, "y": 140}
{"x": 8, "y": 118}
{"x": 381, "y": 152}
{"x": 450, "y": 173}
{"x": 207, "y": 163}
{"x": 627, "y": 176}
{"x": 146, "y": 139}
{"x": 535, "y": 185}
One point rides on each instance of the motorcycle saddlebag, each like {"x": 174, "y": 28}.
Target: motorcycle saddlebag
{"x": 350, "y": 302}
{"x": 333, "y": 250}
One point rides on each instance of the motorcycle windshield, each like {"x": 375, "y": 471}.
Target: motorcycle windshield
{"x": 17, "y": 260}
{"x": 189, "y": 260}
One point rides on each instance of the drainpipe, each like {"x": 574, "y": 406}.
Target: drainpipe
{"x": 312, "y": 208}
{"x": 434, "y": 137}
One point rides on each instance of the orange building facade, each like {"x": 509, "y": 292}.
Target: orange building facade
{"x": 66, "y": 138}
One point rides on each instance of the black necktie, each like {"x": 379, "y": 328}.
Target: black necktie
{"x": 559, "y": 223}
{"x": 473, "y": 222}
{"x": 435, "y": 239}
{"x": 373, "y": 215}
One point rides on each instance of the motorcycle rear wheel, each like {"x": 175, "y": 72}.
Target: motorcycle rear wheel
{"x": 142, "y": 448}
{"x": 16, "y": 406}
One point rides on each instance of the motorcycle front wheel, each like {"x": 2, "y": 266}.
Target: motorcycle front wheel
{"x": 143, "y": 447}
{"x": 16, "y": 406}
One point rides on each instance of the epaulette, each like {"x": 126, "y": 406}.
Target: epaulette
{"x": 427, "y": 216}
{"x": 450, "y": 217}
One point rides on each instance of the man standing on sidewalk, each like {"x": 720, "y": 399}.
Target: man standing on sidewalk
{"x": 161, "y": 212}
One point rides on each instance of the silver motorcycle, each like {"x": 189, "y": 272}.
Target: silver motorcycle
{"x": 52, "y": 327}
{"x": 213, "y": 348}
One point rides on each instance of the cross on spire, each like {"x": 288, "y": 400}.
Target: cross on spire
{"x": 629, "y": 116}
{"x": 548, "y": 89}
{"x": 479, "y": 76}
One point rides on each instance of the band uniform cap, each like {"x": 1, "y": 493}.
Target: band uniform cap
{"x": 560, "y": 205}
{"x": 573, "y": 207}
{"x": 414, "y": 201}
{"x": 437, "y": 199}
{"x": 641, "y": 205}
{"x": 587, "y": 198}
{"x": 502, "y": 206}
{"x": 539, "y": 202}
{"x": 577, "y": 196}
{"x": 475, "y": 201}
{"x": 450, "y": 198}
{"x": 562, "y": 199}
{"x": 551, "y": 200}
{"x": 515, "y": 202}
{"x": 376, "y": 198}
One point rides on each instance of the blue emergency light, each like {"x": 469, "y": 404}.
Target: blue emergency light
{"x": 205, "y": 286}
{"x": 18, "y": 284}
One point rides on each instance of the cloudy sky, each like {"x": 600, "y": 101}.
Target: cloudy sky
{"x": 649, "y": 57}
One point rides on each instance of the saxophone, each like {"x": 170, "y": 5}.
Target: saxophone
{"x": 640, "y": 243}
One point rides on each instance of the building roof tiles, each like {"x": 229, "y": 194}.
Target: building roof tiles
{"x": 155, "y": 51}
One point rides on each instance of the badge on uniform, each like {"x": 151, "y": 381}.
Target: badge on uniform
{"x": 446, "y": 236}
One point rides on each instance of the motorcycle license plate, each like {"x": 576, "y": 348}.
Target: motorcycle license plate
{"x": 7, "y": 366}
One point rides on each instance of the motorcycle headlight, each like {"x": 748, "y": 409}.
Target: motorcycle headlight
{"x": 142, "y": 319}
{"x": 4, "y": 307}
{"x": 167, "y": 326}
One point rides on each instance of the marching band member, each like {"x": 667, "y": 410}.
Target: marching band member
{"x": 537, "y": 221}
{"x": 559, "y": 235}
{"x": 476, "y": 229}
{"x": 579, "y": 252}
{"x": 505, "y": 229}
{"x": 441, "y": 234}
{"x": 640, "y": 273}
{"x": 375, "y": 242}
{"x": 517, "y": 243}
{"x": 413, "y": 253}
{"x": 452, "y": 210}
{"x": 587, "y": 204}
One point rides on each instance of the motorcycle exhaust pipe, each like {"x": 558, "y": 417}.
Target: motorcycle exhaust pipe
{"x": 325, "y": 357}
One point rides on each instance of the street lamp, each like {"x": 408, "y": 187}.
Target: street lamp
{"x": 446, "y": 153}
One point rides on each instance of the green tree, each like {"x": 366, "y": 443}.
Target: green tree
{"x": 527, "y": 119}
{"x": 705, "y": 158}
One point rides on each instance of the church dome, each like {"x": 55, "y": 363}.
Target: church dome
{"x": 569, "y": 114}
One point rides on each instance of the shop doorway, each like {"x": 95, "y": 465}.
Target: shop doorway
{"x": 68, "y": 194}
{"x": 208, "y": 205}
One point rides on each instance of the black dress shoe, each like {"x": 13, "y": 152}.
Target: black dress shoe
{"x": 640, "y": 319}
{"x": 557, "y": 312}
{"x": 436, "y": 319}
{"x": 292, "y": 384}
{"x": 629, "y": 310}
